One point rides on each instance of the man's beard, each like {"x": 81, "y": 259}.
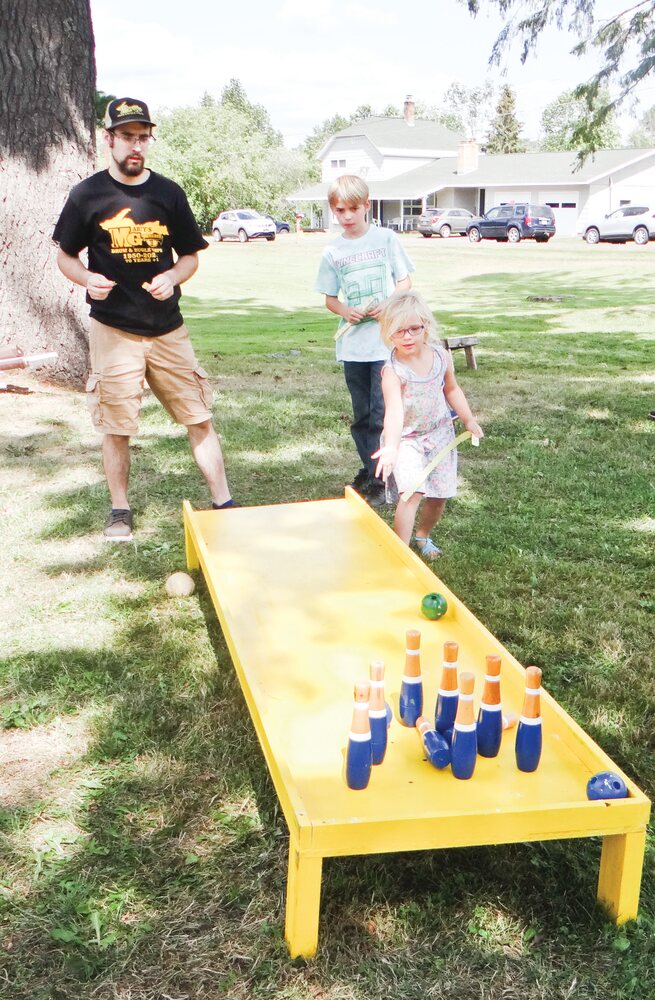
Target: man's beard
{"x": 130, "y": 169}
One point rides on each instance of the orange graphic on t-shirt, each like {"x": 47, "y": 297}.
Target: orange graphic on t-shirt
{"x": 126, "y": 234}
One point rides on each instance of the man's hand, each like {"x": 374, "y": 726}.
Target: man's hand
{"x": 98, "y": 286}
{"x": 161, "y": 287}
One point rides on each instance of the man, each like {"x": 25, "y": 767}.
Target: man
{"x": 131, "y": 219}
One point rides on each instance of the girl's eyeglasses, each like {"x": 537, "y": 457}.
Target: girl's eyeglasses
{"x": 414, "y": 331}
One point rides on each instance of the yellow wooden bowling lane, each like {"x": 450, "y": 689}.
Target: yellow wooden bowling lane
{"x": 307, "y": 595}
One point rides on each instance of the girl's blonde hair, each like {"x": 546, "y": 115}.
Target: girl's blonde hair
{"x": 403, "y": 309}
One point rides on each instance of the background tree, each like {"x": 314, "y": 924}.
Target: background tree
{"x": 505, "y": 131}
{"x": 47, "y": 140}
{"x": 224, "y": 160}
{"x": 625, "y": 41}
{"x": 472, "y": 106}
{"x": 101, "y": 100}
{"x": 563, "y": 119}
{"x": 644, "y": 135}
{"x": 234, "y": 96}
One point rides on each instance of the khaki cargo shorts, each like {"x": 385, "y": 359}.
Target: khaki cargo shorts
{"x": 122, "y": 362}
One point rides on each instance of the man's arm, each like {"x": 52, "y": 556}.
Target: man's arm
{"x": 163, "y": 285}
{"x": 72, "y": 268}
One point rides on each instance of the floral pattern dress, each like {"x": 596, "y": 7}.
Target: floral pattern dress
{"x": 427, "y": 428}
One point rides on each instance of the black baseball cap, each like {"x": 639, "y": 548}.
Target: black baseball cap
{"x": 122, "y": 110}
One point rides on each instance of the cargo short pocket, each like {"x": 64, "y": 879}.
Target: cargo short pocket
{"x": 206, "y": 391}
{"x": 93, "y": 398}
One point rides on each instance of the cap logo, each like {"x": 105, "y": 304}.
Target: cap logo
{"x": 123, "y": 109}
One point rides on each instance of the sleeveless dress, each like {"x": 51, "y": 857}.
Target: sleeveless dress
{"x": 427, "y": 428}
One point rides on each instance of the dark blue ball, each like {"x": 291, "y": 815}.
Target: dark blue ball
{"x": 606, "y": 785}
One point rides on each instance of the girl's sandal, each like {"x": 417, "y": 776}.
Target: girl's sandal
{"x": 427, "y": 547}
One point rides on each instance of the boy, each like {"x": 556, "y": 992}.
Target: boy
{"x": 366, "y": 265}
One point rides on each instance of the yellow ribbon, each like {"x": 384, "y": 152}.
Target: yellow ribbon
{"x": 464, "y": 436}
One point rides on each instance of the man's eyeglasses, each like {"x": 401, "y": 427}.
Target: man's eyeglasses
{"x": 143, "y": 139}
{"x": 414, "y": 331}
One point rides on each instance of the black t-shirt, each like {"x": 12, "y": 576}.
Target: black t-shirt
{"x": 130, "y": 231}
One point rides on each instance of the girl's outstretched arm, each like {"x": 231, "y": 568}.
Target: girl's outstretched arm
{"x": 457, "y": 401}
{"x": 387, "y": 455}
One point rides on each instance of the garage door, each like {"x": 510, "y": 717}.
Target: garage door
{"x": 565, "y": 206}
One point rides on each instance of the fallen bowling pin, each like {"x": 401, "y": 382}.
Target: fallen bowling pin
{"x": 358, "y": 755}
{"x": 490, "y": 715}
{"x": 528, "y": 734}
{"x": 435, "y": 746}
{"x": 377, "y": 712}
{"x": 411, "y": 689}
{"x": 447, "y": 698}
{"x": 464, "y": 748}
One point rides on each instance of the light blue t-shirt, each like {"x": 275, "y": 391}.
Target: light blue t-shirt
{"x": 364, "y": 271}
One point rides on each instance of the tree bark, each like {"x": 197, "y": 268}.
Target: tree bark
{"x": 47, "y": 144}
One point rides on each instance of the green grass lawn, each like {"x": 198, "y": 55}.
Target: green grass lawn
{"x": 143, "y": 851}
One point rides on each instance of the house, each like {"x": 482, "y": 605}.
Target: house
{"x": 411, "y": 164}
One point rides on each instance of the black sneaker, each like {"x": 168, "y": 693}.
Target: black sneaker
{"x": 376, "y": 493}
{"x": 360, "y": 481}
{"x": 651, "y": 415}
{"x": 119, "y": 526}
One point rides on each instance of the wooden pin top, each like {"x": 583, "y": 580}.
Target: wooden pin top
{"x": 422, "y": 724}
{"x": 413, "y": 638}
{"x": 532, "y": 677}
{"x": 450, "y": 652}
{"x": 466, "y": 682}
{"x": 493, "y": 665}
{"x": 362, "y": 691}
{"x": 376, "y": 670}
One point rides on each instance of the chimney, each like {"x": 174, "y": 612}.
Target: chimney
{"x": 467, "y": 156}
{"x": 410, "y": 111}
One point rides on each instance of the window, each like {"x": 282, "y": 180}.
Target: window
{"x": 555, "y": 204}
{"x": 414, "y": 207}
{"x": 342, "y": 163}
{"x": 569, "y": 204}
{"x": 334, "y": 163}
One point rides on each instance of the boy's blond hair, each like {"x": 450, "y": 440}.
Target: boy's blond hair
{"x": 350, "y": 189}
{"x": 402, "y": 310}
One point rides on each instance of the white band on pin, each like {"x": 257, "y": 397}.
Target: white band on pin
{"x": 412, "y": 680}
{"x": 413, "y": 652}
{"x": 494, "y": 678}
{"x": 377, "y": 713}
{"x": 466, "y": 727}
{"x": 490, "y": 708}
{"x": 530, "y": 722}
{"x": 361, "y": 706}
{"x": 533, "y": 691}
{"x": 377, "y": 684}
{"x": 359, "y": 737}
{"x": 454, "y": 693}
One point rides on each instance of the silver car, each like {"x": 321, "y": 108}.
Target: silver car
{"x": 443, "y": 221}
{"x": 631, "y": 222}
{"x": 243, "y": 224}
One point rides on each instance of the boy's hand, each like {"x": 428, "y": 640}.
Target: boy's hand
{"x": 352, "y": 315}
{"x": 474, "y": 427}
{"x": 387, "y": 457}
{"x": 376, "y": 308}
{"x": 98, "y": 286}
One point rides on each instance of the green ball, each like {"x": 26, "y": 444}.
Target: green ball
{"x": 434, "y": 606}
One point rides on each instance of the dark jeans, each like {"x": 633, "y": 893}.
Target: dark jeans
{"x": 363, "y": 379}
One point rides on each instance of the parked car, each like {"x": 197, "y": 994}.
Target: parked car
{"x": 242, "y": 224}
{"x": 280, "y": 227}
{"x": 520, "y": 221}
{"x": 444, "y": 221}
{"x": 632, "y": 222}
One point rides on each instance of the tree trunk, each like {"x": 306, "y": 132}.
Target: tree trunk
{"x": 47, "y": 144}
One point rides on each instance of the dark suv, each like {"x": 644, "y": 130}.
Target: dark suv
{"x": 522, "y": 221}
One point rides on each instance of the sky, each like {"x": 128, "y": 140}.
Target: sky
{"x": 305, "y": 60}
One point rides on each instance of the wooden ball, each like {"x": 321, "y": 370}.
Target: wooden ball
{"x": 180, "y": 585}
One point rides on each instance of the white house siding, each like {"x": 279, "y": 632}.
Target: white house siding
{"x": 628, "y": 185}
{"x": 565, "y": 203}
{"x": 352, "y": 156}
{"x": 460, "y": 198}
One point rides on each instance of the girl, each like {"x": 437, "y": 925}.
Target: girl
{"x": 419, "y": 388}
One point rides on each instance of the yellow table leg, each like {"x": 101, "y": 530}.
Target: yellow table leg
{"x": 619, "y": 879}
{"x": 303, "y": 902}
{"x": 190, "y": 549}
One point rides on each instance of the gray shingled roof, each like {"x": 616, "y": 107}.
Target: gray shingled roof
{"x": 395, "y": 133}
{"x": 498, "y": 170}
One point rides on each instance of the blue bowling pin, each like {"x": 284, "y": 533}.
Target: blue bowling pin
{"x": 411, "y": 690}
{"x": 490, "y": 716}
{"x": 446, "y": 707}
{"x": 464, "y": 748}
{"x": 359, "y": 754}
{"x": 377, "y": 712}
{"x": 435, "y": 746}
{"x": 528, "y": 734}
